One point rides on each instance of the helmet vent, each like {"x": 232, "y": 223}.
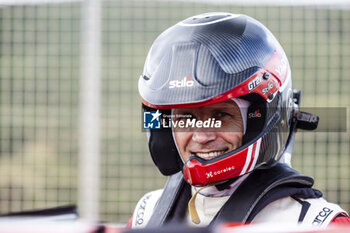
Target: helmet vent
{"x": 145, "y": 77}
{"x": 208, "y": 18}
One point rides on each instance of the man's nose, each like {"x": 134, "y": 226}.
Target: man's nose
{"x": 202, "y": 136}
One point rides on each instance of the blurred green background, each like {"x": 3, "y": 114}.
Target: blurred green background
{"x": 40, "y": 47}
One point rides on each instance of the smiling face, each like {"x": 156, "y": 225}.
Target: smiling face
{"x": 210, "y": 143}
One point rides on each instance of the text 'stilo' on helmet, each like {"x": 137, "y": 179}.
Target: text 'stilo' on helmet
{"x": 214, "y": 57}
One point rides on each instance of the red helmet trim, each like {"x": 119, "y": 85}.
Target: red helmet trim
{"x": 278, "y": 69}
{"x": 244, "y": 161}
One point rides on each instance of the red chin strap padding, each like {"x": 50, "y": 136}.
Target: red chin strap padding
{"x": 240, "y": 163}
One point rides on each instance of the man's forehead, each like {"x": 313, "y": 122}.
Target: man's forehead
{"x": 227, "y": 104}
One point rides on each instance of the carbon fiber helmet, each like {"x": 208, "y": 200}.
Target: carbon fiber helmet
{"x": 210, "y": 58}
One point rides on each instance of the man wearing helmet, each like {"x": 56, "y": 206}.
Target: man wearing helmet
{"x": 221, "y": 85}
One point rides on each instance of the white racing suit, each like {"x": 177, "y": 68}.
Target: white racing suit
{"x": 209, "y": 201}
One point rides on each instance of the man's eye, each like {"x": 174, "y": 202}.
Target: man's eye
{"x": 221, "y": 115}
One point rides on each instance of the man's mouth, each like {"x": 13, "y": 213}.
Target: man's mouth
{"x": 209, "y": 155}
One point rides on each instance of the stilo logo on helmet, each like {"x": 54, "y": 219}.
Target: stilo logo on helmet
{"x": 185, "y": 82}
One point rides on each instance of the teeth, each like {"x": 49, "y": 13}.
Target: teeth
{"x": 210, "y": 155}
